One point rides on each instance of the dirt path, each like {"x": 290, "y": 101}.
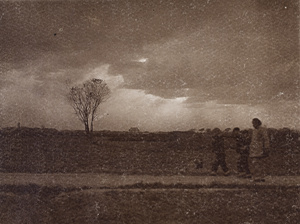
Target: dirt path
{"x": 115, "y": 181}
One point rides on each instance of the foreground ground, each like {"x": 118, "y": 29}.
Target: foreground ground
{"x": 57, "y": 179}
{"x": 92, "y": 198}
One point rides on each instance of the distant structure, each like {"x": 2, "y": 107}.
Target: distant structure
{"x": 134, "y": 130}
{"x": 201, "y": 130}
{"x": 19, "y": 125}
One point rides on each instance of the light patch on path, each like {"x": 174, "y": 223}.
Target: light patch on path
{"x": 115, "y": 181}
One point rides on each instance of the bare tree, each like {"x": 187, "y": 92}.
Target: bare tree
{"x": 85, "y": 100}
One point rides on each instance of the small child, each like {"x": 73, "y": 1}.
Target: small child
{"x": 242, "y": 147}
{"x": 219, "y": 150}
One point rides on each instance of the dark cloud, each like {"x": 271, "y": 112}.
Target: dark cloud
{"x": 250, "y": 55}
{"x": 227, "y": 52}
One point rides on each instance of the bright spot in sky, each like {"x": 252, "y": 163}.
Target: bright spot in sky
{"x": 180, "y": 99}
{"x": 143, "y": 60}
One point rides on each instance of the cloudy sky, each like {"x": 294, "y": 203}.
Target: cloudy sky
{"x": 171, "y": 65}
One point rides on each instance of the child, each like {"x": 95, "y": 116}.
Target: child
{"x": 242, "y": 147}
{"x": 219, "y": 150}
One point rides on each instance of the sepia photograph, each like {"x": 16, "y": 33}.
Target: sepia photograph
{"x": 158, "y": 111}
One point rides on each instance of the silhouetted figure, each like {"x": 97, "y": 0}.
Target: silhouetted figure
{"x": 259, "y": 149}
{"x": 219, "y": 150}
{"x": 242, "y": 147}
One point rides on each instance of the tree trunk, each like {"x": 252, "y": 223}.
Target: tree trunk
{"x": 92, "y": 126}
{"x": 92, "y": 122}
{"x": 86, "y": 126}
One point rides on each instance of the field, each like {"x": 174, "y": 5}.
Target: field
{"x": 161, "y": 154}
{"x": 166, "y": 154}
